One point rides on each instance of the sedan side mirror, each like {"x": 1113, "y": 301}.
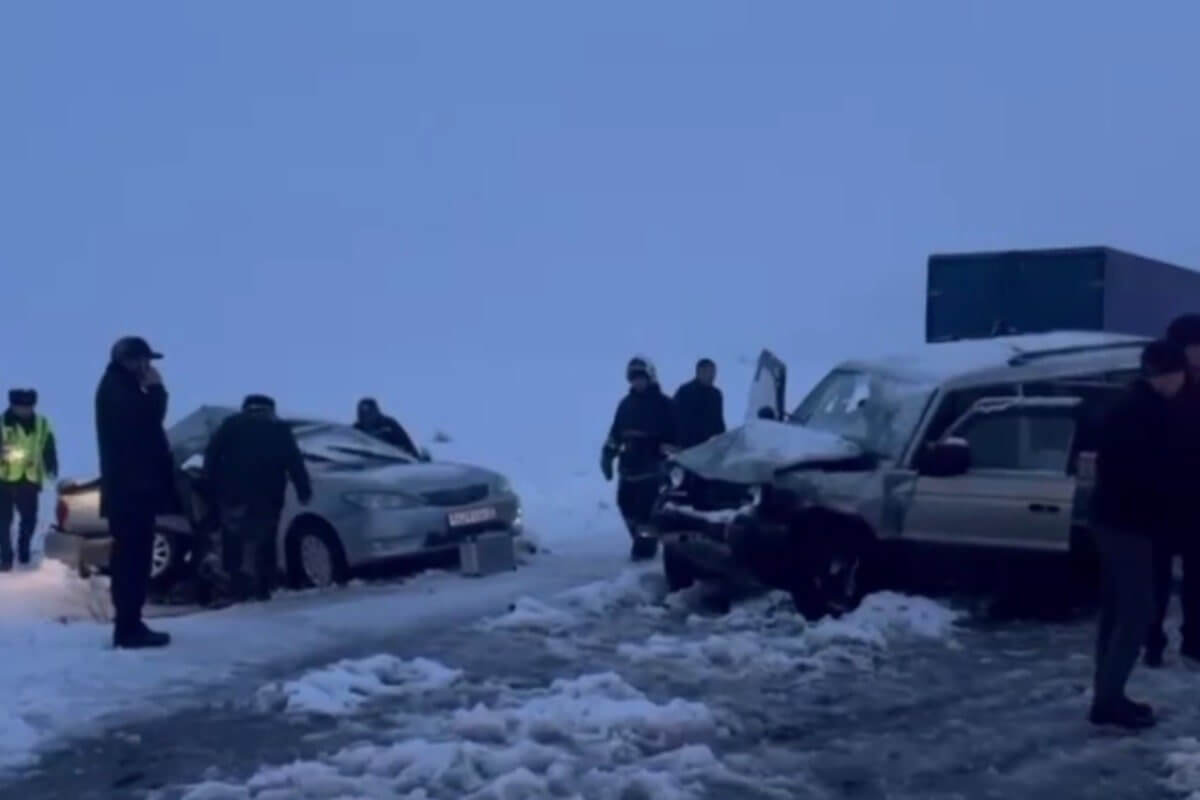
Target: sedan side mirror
{"x": 948, "y": 458}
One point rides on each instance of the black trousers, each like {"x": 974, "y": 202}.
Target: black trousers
{"x": 21, "y": 498}
{"x": 248, "y": 548}
{"x": 635, "y": 499}
{"x": 1164, "y": 562}
{"x": 129, "y": 564}
{"x": 1126, "y": 607}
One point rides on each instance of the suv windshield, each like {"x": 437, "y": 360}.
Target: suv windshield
{"x": 877, "y": 412}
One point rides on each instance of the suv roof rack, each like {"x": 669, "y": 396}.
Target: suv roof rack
{"x": 1026, "y": 356}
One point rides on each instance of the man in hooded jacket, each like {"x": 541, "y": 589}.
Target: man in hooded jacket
{"x": 1132, "y": 509}
{"x": 1184, "y": 537}
{"x": 643, "y": 433}
{"x": 137, "y": 480}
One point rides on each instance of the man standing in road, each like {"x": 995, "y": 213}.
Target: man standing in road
{"x": 27, "y": 457}
{"x": 248, "y": 462}
{"x": 642, "y": 434}
{"x": 136, "y": 480}
{"x": 374, "y": 422}
{"x": 1183, "y": 539}
{"x": 1132, "y": 507}
{"x": 700, "y": 407}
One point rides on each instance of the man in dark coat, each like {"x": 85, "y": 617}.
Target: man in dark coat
{"x": 642, "y": 434}
{"x": 28, "y": 456}
{"x": 137, "y": 481}
{"x": 374, "y": 422}
{"x": 248, "y": 463}
{"x": 1132, "y": 507}
{"x": 700, "y": 407}
{"x": 1184, "y": 537}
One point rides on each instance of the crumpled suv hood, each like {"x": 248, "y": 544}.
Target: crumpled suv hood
{"x": 755, "y": 452}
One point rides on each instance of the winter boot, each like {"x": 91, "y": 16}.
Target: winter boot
{"x": 1125, "y": 714}
{"x": 140, "y": 637}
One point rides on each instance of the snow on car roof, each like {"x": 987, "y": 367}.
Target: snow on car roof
{"x": 942, "y": 361}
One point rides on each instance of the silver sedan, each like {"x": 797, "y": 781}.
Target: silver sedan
{"x": 371, "y": 503}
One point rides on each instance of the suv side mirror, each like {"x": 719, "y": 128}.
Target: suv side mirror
{"x": 948, "y": 458}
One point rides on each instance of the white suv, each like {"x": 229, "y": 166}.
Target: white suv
{"x": 963, "y": 451}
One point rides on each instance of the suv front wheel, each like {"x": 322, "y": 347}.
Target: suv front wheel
{"x": 838, "y": 582}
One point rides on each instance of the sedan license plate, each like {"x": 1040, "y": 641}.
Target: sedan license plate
{"x": 471, "y": 516}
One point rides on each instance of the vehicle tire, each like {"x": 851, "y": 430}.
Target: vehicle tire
{"x": 677, "y": 569}
{"x": 168, "y": 560}
{"x": 315, "y": 556}
{"x": 847, "y": 574}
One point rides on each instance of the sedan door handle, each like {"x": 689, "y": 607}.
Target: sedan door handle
{"x": 1039, "y": 508}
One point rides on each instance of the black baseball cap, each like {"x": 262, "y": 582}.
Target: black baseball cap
{"x": 133, "y": 347}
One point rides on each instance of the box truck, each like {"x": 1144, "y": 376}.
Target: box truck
{"x": 978, "y": 295}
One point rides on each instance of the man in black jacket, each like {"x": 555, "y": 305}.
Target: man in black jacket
{"x": 700, "y": 407}
{"x": 375, "y": 423}
{"x": 248, "y": 463}
{"x": 137, "y": 480}
{"x": 642, "y": 434}
{"x": 1132, "y": 507}
{"x": 1184, "y": 537}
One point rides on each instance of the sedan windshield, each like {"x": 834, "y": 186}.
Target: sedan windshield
{"x": 877, "y": 412}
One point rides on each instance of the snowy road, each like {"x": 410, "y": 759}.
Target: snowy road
{"x": 616, "y": 691}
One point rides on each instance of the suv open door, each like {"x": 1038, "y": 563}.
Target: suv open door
{"x": 768, "y": 389}
{"x": 1016, "y": 485}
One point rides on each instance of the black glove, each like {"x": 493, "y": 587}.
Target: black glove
{"x": 606, "y": 463}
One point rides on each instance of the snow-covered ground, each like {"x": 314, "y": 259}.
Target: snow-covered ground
{"x": 61, "y": 676}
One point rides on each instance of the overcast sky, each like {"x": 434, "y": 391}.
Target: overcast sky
{"x": 321, "y": 199}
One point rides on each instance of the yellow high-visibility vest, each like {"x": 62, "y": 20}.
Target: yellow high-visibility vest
{"x": 21, "y": 452}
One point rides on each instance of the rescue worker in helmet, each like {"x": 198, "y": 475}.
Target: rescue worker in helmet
{"x": 27, "y": 457}
{"x": 642, "y": 435}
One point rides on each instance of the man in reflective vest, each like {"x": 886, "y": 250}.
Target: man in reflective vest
{"x": 27, "y": 456}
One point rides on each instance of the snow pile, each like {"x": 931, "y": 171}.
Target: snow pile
{"x": 591, "y": 736}
{"x": 529, "y": 614}
{"x": 343, "y": 687}
{"x": 1184, "y": 766}
{"x": 766, "y": 636}
{"x": 632, "y": 588}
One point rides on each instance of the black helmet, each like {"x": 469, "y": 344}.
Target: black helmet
{"x": 259, "y": 402}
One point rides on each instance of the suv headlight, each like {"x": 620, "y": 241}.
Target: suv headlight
{"x": 756, "y": 495}
{"x": 676, "y": 476}
{"x": 381, "y": 501}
